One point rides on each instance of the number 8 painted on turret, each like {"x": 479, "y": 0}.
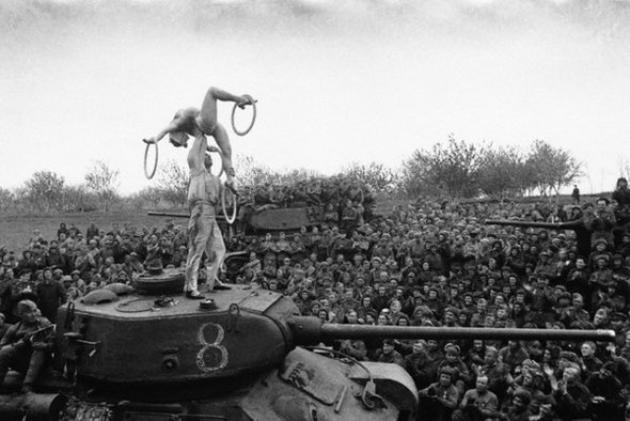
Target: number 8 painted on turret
{"x": 212, "y": 356}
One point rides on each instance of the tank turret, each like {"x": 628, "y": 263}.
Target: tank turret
{"x": 149, "y": 339}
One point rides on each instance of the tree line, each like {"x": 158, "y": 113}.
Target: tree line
{"x": 46, "y": 191}
{"x": 455, "y": 169}
{"x": 460, "y": 169}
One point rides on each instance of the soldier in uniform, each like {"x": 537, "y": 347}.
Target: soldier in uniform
{"x": 26, "y": 345}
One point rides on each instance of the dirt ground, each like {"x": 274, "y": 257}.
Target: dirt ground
{"x": 15, "y": 231}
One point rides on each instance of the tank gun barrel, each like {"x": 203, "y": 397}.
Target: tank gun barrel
{"x": 581, "y": 230}
{"x": 308, "y": 330}
{"x": 178, "y": 215}
{"x": 533, "y": 224}
{"x": 169, "y": 214}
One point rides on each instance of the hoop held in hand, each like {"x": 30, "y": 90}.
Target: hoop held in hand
{"x": 251, "y": 124}
{"x": 229, "y": 218}
{"x": 218, "y": 152}
{"x": 150, "y": 174}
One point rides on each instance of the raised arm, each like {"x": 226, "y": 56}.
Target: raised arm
{"x": 179, "y": 123}
{"x": 221, "y": 95}
{"x": 173, "y": 126}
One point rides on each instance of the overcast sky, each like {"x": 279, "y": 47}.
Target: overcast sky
{"x": 337, "y": 81}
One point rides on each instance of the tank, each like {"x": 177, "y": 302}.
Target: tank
{"x": 582, "y": 232}
{"x": 241, "y": 354}
{"x": 250, "y": 221}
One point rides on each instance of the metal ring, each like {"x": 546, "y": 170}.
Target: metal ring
{"x": 221, "y": 166}
{"x": 229, "y": 219}
{"x": 146, "y": 156}
{"x": 243, "y": 133}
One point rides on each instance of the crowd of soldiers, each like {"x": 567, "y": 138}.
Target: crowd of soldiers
{"x": 434, "y": 263}
{"x": 337, "y": 199}
{"x": 321, "y": 191}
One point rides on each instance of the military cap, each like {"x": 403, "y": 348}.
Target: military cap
{"x": 25, "y": 305}
{"x": 604, "y": 256}
{"x": 447, "y": 370}
{"x": 570, "y": 356}
{"x": 451, "y": 309}
{"x": 451, "y": 347}
{"x": 565, "y": 295}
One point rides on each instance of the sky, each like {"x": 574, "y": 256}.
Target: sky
{"x": 338, "y": 81}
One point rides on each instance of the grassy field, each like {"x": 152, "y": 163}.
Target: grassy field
{"x": 15, "y": 230}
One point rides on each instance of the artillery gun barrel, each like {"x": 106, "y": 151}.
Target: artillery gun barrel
{"x": 533, "y": 224}
{"x": 169, "y": 214}
{"x": 178, "y": 215}
{"x": 310, "y": 330}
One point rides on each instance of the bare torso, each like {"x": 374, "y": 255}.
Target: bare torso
{"x": 203, "y": 186}
{"x": 188, "y": 120}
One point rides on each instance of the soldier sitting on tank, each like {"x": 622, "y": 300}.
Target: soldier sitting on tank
{"x": 27, "y": 344}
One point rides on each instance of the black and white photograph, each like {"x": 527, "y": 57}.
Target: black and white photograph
{"x": 314, "y": 210}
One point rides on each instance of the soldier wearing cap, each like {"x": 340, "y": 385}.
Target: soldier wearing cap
{"x": 50, "y": 295}
{"x": 387, "y": 353}
{"x": 26, "y": 345}
{"x": 439, "y": 399}
{"x": 419, "y": 365}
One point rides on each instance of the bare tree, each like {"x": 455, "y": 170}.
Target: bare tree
{"x": 153, "y": 195}
{"x": 173, "y": 183}
{"x": 377, "y": 176}
{"x": 552, "y": 168}
{"x": 502, "y": 172}
{"x": 6, "y": 199}
{"x": 450, "y": 168}
{"x": 45, "y": 190}
{"x": 104, "y": 182}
